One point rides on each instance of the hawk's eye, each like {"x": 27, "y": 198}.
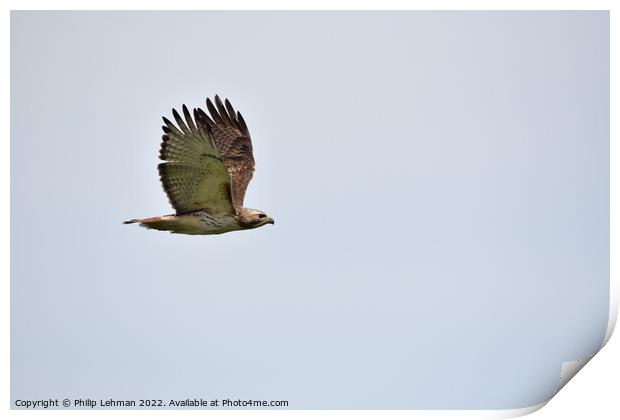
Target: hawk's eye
{"x": 262, "y": 216}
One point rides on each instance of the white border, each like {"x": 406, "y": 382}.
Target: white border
{"x": 568, "y": 369}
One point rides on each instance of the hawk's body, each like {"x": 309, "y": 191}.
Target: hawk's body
{"x": 195, "y": 223}
{"x": 208, "y": 166}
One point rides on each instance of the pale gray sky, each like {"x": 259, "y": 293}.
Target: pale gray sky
{"x": 439, "y": 183}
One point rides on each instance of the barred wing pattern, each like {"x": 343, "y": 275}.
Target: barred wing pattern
{"x": 194, "y": 175}
{"x": 233, "y": 142}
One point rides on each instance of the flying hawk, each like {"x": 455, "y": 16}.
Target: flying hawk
{"x": 208, "y": 166}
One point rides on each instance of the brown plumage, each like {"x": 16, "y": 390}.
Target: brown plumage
{"x": 209, "y": 163}
{"x": 233, "y": 141}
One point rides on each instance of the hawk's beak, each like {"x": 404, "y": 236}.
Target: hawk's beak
{"x": 270, "y": 221}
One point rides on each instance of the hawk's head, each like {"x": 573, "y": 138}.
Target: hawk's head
{"x": 251, "y": 218}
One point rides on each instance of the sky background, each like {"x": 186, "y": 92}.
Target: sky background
{"x": 439, "y": 182}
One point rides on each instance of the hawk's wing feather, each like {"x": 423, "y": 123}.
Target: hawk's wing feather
{"x": 194, "y": 175}
{"x": 233, "y": 142}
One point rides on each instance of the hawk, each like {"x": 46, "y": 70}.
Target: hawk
{"x": 208, "y": 164}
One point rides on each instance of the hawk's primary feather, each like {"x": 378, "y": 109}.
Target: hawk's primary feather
{"x": 233, "y": 142}
{"x": 194, "y": 176}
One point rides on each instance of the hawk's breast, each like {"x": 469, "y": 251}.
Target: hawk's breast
{"x": 214, "y": 223}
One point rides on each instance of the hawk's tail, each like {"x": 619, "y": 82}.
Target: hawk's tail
{"x": 169, "y": 222}
{"x": 147, "y": 220}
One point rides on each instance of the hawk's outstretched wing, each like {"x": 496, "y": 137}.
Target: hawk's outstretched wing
{"x": 233, "y": 142}
{"x": 194, "y": 176}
